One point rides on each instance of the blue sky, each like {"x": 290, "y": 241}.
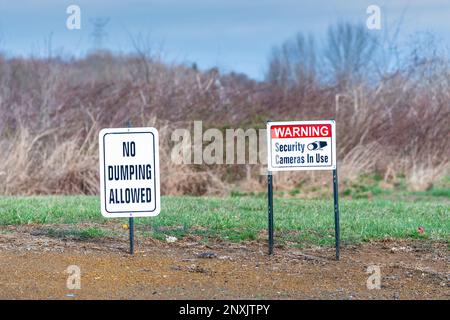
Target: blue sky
{"x": 231, "y": 34}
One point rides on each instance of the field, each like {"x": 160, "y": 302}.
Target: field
{"x": 221, "y": 244}
{"x": 390, "y": 101}
{"x": 298, "y": 222}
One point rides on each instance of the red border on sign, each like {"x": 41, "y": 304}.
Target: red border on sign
{"x": 301, "y": 131}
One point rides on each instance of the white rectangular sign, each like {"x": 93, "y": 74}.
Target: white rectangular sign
{"x": 129, "y": 172}
{"x": 301, "y": 145}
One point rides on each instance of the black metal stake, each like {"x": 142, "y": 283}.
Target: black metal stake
{"x": 131, "y": 219}
{"x": 336, "y": 212}
{"x": 270, "y": 202}
{"x": 131, "y": 224}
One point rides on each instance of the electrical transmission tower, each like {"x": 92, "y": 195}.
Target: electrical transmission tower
{"x": 98, "y": 34}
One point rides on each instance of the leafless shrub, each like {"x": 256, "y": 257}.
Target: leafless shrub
{"x": 52, "y": 109}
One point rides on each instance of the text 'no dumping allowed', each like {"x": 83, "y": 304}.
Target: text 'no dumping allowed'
{"x": 129, "y": 172}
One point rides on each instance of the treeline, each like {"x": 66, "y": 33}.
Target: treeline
{"x": 391, "y": 105}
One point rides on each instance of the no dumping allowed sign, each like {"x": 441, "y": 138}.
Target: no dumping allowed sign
{"x": 301, "y": 145}
{"x": 129, "y": 172}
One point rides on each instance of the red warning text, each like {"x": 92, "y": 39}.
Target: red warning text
{"x": 301, "y": 131}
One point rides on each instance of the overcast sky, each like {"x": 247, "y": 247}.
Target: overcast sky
{"x": 231, "y": 34}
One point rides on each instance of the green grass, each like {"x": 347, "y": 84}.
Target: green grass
{"x": 368, "y": 186}
{"x": 435, "y": 192}
{"x": 297, "y": 221}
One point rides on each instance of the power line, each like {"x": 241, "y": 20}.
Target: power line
{"x": 98, "y": 34}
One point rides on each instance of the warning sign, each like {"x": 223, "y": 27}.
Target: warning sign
{"x": 129, "y": 172}
{"x": 301, "y": 145}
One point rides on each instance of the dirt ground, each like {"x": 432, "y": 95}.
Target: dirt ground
{"x": 33, "y": 266}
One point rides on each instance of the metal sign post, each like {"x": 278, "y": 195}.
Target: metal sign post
{"x": 302, "y": 145}
{"x": 270, "y": 206}
{"x": 131, "y": 227}
{"x": 336, "y": 212}
{"x": 129, "y": 174}
{"x": 131, "y": 220}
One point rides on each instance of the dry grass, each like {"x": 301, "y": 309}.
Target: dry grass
{"x": 51, "y": 112}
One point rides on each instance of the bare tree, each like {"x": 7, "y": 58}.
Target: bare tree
{"x": 294, "y": 62}
{"x": 349, "y": 51}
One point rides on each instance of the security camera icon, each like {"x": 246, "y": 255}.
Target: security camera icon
{"x": 317, "y": 145}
